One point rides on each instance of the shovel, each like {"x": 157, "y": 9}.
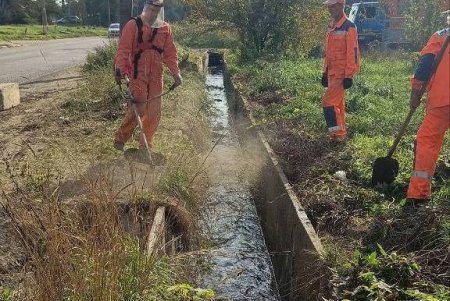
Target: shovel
{"x": 386, "y": 169}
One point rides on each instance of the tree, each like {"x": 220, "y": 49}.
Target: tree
{"x": 82, "y": 12}
{"x": 15, "y": 11}
{"x": 25, "y": 11}
{"x": 268, "y": 27}
{"x": 423, "y": 18}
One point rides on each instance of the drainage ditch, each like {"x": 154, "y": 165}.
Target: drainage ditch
{"x": 264, "y": 246}
{"x": 240, "y": 262}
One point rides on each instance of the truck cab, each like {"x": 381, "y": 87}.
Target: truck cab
{"x": 374, "y": 24}
{"x": 371, "y": 21}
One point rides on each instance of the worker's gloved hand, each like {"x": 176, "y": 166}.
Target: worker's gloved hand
{"x": 415, "y": 99}
{"x": 325, "y": 80}
{"x": 178, "y": 80}
{"x": 348, "y": 83}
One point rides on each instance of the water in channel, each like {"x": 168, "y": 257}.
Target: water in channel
{"x": 240, "y": 263}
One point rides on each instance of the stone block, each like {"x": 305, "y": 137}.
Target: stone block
{"x": 9, "y": 96}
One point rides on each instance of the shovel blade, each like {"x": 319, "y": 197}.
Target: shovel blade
{"x": 385, "y": 170}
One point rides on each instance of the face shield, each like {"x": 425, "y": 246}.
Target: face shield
{"x": 159, "y": 19}
{"x": 153, "y": 7}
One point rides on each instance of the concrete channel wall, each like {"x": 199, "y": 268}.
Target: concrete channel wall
{"x": 291, "y": 239}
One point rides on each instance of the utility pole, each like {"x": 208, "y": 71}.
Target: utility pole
{"x": 117, "y": 13}
{"x": 109, "y": 13}
{"x": 44, "y": 19}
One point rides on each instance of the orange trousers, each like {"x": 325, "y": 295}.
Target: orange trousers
{"x": 149, "y": 111}
{"x": 430, "y": 138}
{"x": 333, "y": 103}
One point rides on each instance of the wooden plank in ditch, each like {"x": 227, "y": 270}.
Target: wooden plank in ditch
{"x": 157, "y": 232}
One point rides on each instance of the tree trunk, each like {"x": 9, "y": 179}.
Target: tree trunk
{"x": 44, "y": 19}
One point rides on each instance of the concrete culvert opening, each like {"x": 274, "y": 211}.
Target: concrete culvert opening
{"x": 161, "y": 228}
{"x": 215, "y": 59}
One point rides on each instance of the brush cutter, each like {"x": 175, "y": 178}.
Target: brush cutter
{"x": 126, "y": 94}
{"x": 386, "y": 169}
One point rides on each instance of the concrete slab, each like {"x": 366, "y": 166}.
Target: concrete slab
{"x": 9, "y": 96}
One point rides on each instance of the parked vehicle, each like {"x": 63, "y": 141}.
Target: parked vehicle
{"x": 375, "y": 23}
{"x": 70, "y": 20}
{"x": 114, "y": 30}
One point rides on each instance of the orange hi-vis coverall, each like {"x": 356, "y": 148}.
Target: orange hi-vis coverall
{"x": 342, "y": 60}
{"x": 146, "y": 74}
{"x": 431, "y": 133}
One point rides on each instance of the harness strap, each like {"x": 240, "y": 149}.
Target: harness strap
{"x": 140, "y": 41}
{"x": 154, "y": 33}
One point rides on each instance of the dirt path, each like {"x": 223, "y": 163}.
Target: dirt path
{"x": 27, "y": 128}
{"x": 25, "y": 131}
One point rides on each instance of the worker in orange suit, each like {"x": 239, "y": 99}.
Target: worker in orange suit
{"x": 431, "y": 133}
{"x": 145, "y": 45}
{"x": 342, "y": 61}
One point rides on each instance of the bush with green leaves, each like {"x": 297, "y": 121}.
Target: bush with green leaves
{"x": 423, "y": 18}
{"x": 103, "y": 57}
{"x": 268, "y": 27}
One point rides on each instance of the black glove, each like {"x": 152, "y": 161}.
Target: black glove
{"x": 325, "y": 80}
{"x": 348, "y": 83}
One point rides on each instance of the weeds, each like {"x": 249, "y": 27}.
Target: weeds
{"x": 352, "y": 215}
{"x": 383, "y": 276}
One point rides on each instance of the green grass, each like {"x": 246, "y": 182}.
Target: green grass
{"x": 376, "y": 107}
{"x": 34, "y": 32}
{"x": 287, "y": 103}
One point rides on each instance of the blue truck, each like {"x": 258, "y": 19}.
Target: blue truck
{"x": 375, "y": 24}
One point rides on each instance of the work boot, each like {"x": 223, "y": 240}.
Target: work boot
{"x": 119, "y": 145}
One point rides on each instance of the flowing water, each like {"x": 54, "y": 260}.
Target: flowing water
{"x": 240, "y": 263}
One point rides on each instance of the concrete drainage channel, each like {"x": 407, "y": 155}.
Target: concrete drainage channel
{"x": 264, "y": 246}
{"x": 240, "y": 263}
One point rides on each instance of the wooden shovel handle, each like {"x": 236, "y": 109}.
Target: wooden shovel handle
{"x": 402, "y": 131}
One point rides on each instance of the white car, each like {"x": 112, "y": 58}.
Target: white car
{"x": 114, "y": 30}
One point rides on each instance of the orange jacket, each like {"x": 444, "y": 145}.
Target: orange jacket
{"x": 438, "y": 89}
{"x": 342, "y": 58}
{"x": 151, "y": 61}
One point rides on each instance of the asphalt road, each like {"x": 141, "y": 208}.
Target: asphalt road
{"x": 36, "y": 59}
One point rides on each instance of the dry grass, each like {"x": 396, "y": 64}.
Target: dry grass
{"x": 82, "y": 212}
